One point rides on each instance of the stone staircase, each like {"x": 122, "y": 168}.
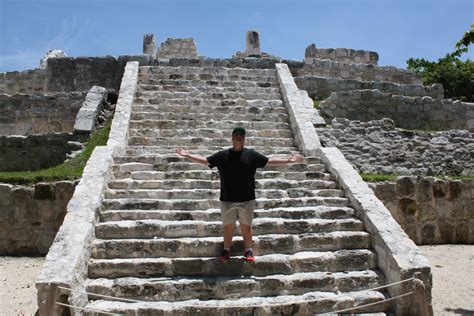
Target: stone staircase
{"x": 160, "y": 231}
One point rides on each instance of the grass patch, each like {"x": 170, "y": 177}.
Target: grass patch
{"x": 68, "y": 170}
{"x": 316, "y": 104}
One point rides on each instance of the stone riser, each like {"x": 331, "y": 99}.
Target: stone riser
{"x": 214, "y": 175}
{"x": 207, "y": 102}
{"x": 163, "y": 95}
{"x": 338, "y": 261}
{"x": 187, "y": 166}
{"x": 144, "y": 204}
{"x": 206, "y": 109}
{"x": 207, "y": 88}
{"x": 326, "y": 212}
{"x": 308, "y": 304}
{"x": 172, "y": 157}
{"x": 266, "y": 117}
{"x": 205, "y": 83}
{"x": 207, "y": 132}
{"x": 262, "y": 79}
{"x": 181, "y": 142}
{"x": 202, "y": 184}
{"x": 211, "y": 246}
{"x": 205, "y": 150}
{"x": 192, "y": 194}
{"x": 261, "y": 226}
{"x": 147, "y": 70}
{"x": 226, "y": 288}
{"x": 225, "y": 126}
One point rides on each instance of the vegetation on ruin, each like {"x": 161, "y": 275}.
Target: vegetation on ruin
{"x": 316, "y": 104}
{"x": 454, "y": 74}
{"x": 68, "y": 170}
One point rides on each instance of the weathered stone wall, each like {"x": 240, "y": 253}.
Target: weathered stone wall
{"x": 33, "y": 152}
{"x": 379, "y": 147}
{"x": 22, "y": 114}
{"x": 71, "y": 74}
{"x": 320, "y": 88}
{"x": 177, "y": 48}
{"x": 431, "y": 211}
{"x": 361, "y": 72}
{"x": 28, "y": 81}
{"x": 30, "y": 216}
{"x": 407, "y": 112}
{"x": 344, "y": 55}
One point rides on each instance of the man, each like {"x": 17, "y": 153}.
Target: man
{"x": 237, "y": 167}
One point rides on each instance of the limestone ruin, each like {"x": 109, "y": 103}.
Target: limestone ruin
{"x": 143, "y": 224}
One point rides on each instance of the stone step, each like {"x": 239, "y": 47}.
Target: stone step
{"x": 163, "y": 95}
{"x": 191, "y": 117}
{"x": 225, "y": 125}
{"x": 211, "y": 246}
{"x": 186, "y": 165}
{"x": 206, "y": 150}
{"x": 210, "y": 88}
{"x": 211, "y": 288}
{"x": 193, "y": 194}
{"x": 149, "y": 70}
{"x": 208, "y": 132}
{"x": 214, "y": 214}
{"x": 193, "y": 141}
{"x": 200, "y": 109}
{"x": 127, "y": 184}
{"x": 208, "y": 102}
{"x": 308, "y": 261}
{"x": 214, "y": 175}
{"x": 180, "y": 82}
{"x": 309, "y": 303}
{"x": 149, "y": 204}
{"x": 151, "y": 228}
{"x": 172, "y": 157}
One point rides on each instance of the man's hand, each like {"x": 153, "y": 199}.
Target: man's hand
{"x": 182, "y": 151}
{"x": 295, "y": 158}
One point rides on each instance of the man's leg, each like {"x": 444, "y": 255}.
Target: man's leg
{"x": 247, "y": 235}
{"x": 228, "y": 235}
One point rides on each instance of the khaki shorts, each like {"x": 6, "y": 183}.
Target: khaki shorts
{"x": 243, "y": 211}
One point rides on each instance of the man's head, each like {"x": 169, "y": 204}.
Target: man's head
{"x": 238, "y": 138}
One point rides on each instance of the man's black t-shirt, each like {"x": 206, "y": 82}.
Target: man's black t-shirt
{"x": 237, "y": 172}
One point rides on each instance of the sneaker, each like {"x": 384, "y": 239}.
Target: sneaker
{"x": 248, "y": 256}
{"x": 225, "y": 255}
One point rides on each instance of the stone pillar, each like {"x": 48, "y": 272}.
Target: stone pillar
{"x": 252, "y": 43}
{"x": 311, "y": 51}
{"x": 149, "y": 45}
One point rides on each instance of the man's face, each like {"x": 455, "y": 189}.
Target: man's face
{"x": 238, "y": 140}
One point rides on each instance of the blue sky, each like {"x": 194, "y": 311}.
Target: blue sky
{"x": 396, "y": 29}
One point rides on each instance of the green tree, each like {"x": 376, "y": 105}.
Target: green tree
{"x": 456, "y": 76}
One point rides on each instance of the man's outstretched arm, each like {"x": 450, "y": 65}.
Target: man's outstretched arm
{"x": 273, "y": 161}
{"x": 183, "y": 152}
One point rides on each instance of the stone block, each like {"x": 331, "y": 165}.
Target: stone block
{"x": 5, "y": 194}
{"x": 446, "y": 231}
{"x": 64, "y": 190}
{"x": 22, "y": 195}
{"x": 424, "y": 189}
{"x": 44, "y": 191}
{"x": 406, "y": 187}
{"x": 462, "y": 232}
{"x": 428, "y": 234}
{"x": 454, "y": 190}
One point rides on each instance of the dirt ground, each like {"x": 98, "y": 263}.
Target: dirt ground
{"x": 452, "y": 266}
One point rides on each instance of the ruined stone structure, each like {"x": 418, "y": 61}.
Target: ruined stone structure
{"x": 344, "y": 55}
{"x": 144, "y": 224}
{"x": 407, "y": 111}
{"x": 431, "y": 211}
